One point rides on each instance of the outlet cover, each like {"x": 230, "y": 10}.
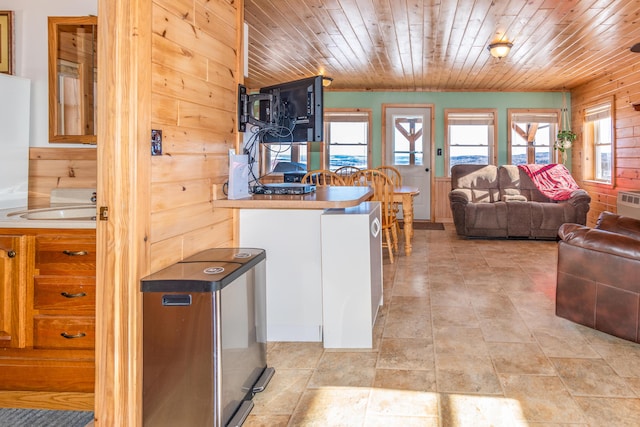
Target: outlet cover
{"x": 156, "y": 142}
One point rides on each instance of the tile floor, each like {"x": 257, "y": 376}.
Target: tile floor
{"x": 467, "y": 336}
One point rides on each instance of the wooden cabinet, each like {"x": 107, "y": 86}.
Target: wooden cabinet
{"x": 16, "y": 250}
{"x": 47, "y": 336}
{"x": 64, "y": 292}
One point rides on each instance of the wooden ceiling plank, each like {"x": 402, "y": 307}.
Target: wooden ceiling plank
{"x": 481, "y": 31}
{"x": 276, "y": 45}
{"x": 428, "y": 45}
{"x": 395, "y": 37}
{"x": 529, "y": 54}
{"x": 358, "y": 31}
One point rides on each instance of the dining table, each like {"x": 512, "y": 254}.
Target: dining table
{"x": 404, "y": 195}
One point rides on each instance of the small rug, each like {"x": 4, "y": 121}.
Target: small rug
{"x": 10, "y": 417}
{"x": 425, "y": 225}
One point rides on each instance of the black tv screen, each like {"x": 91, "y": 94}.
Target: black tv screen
{"x": 295, "y": 111}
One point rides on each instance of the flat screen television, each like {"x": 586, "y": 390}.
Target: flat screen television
{"x": 287, "y": 112}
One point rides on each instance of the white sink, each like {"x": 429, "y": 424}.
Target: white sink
{"x": 74, "y": 213}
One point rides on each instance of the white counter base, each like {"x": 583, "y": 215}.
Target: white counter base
{"x": 291, "y": 238}
{"x": 351, "y": 275}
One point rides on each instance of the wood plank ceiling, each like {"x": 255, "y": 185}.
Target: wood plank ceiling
{"x": 440, "y": 45}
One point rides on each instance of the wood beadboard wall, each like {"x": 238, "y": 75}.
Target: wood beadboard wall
{"x": 51, "y": 168}
{"x": 195, "y": 74}
{"x": 624, "y": 85}
{"x": 441, "y": 200}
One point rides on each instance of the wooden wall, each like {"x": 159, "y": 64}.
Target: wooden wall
{"x": 173, "y": 66}
{"x": 51, "y": 168}
{"x": 195, "y": 76}
{"x": 442, "y": 210}
{"x": 624, "y": 85}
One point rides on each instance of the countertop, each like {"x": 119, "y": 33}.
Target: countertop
{"x": 16, "y": 221}
{"x": 322, "y": 198}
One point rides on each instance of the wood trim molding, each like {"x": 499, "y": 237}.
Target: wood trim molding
{"x": 124, "y": 120}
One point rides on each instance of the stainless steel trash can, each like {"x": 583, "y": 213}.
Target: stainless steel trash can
{"x": 204, "y": 339}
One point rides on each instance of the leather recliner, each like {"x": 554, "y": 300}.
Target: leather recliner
{"x": 598, "y": 270}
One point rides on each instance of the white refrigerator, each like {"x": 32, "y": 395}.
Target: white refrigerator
{"x": 15, "y": 94}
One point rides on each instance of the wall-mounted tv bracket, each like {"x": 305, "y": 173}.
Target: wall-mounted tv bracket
{"x": 246, "y": 108}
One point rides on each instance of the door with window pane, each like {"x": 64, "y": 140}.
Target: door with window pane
{"x": 408, "y": 148}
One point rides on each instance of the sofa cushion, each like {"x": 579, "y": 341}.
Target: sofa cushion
{"x": 482, "y": 180}
{"x": 514, "y": 181}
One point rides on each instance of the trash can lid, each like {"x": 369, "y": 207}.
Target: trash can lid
{"x": 208, "y": 276}
{"x": 240, "y": 255}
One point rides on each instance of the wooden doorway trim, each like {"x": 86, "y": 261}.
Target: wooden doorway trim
{"x": 124, "y": 169}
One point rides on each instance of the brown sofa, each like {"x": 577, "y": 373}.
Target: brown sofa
{"x": 492, "y": 201}
{"x": 598, "y": 270}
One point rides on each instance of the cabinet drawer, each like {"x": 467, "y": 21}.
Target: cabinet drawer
{"x": 73, "y": 332}
{"x": 63, "y": 254}
{"x": 65, "y": 293}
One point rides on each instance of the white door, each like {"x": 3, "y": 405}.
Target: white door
{"x": 408, "y": 148}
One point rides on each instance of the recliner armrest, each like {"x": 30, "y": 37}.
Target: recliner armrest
{"x": 579, "y": 197}
{"x": 460, "y": 195}
{"x": 600, "y": 240}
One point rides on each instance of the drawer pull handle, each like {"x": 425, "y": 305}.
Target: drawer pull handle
{"x": 78, "y": 295}
{"x": 75, "y": 253}
{"x": 72, "y": 336}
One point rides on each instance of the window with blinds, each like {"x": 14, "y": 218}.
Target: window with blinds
{"x": 347, "y": 138}
{"x": 532, "y": 133}
{"x": 599, "y": 143}
{"x": 470, "y": 138}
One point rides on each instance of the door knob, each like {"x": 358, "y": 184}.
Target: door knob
{"x": 426, "y": 170}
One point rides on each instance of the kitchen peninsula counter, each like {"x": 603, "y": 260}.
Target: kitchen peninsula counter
{"x": 288, "y": 228}
{"x": 331, "y": 197}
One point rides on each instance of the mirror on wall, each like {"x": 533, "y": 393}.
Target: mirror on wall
{"x": 73, "y": 79}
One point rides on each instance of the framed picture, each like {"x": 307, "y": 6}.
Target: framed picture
{"x": 6, "y": 41}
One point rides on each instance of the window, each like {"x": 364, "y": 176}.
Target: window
{"x": 282, "y": 157}
{"x": 407, "y": 148}
{"x": 347, "y": 137}
{"x": 470, "y": 137}
{"x": 599, "y": 143}
{"x": 532, "y": 135}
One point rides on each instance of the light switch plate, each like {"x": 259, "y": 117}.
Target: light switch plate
{"x": 156, "y": 142}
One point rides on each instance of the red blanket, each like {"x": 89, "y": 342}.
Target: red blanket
{"x": 553, "y": 180}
